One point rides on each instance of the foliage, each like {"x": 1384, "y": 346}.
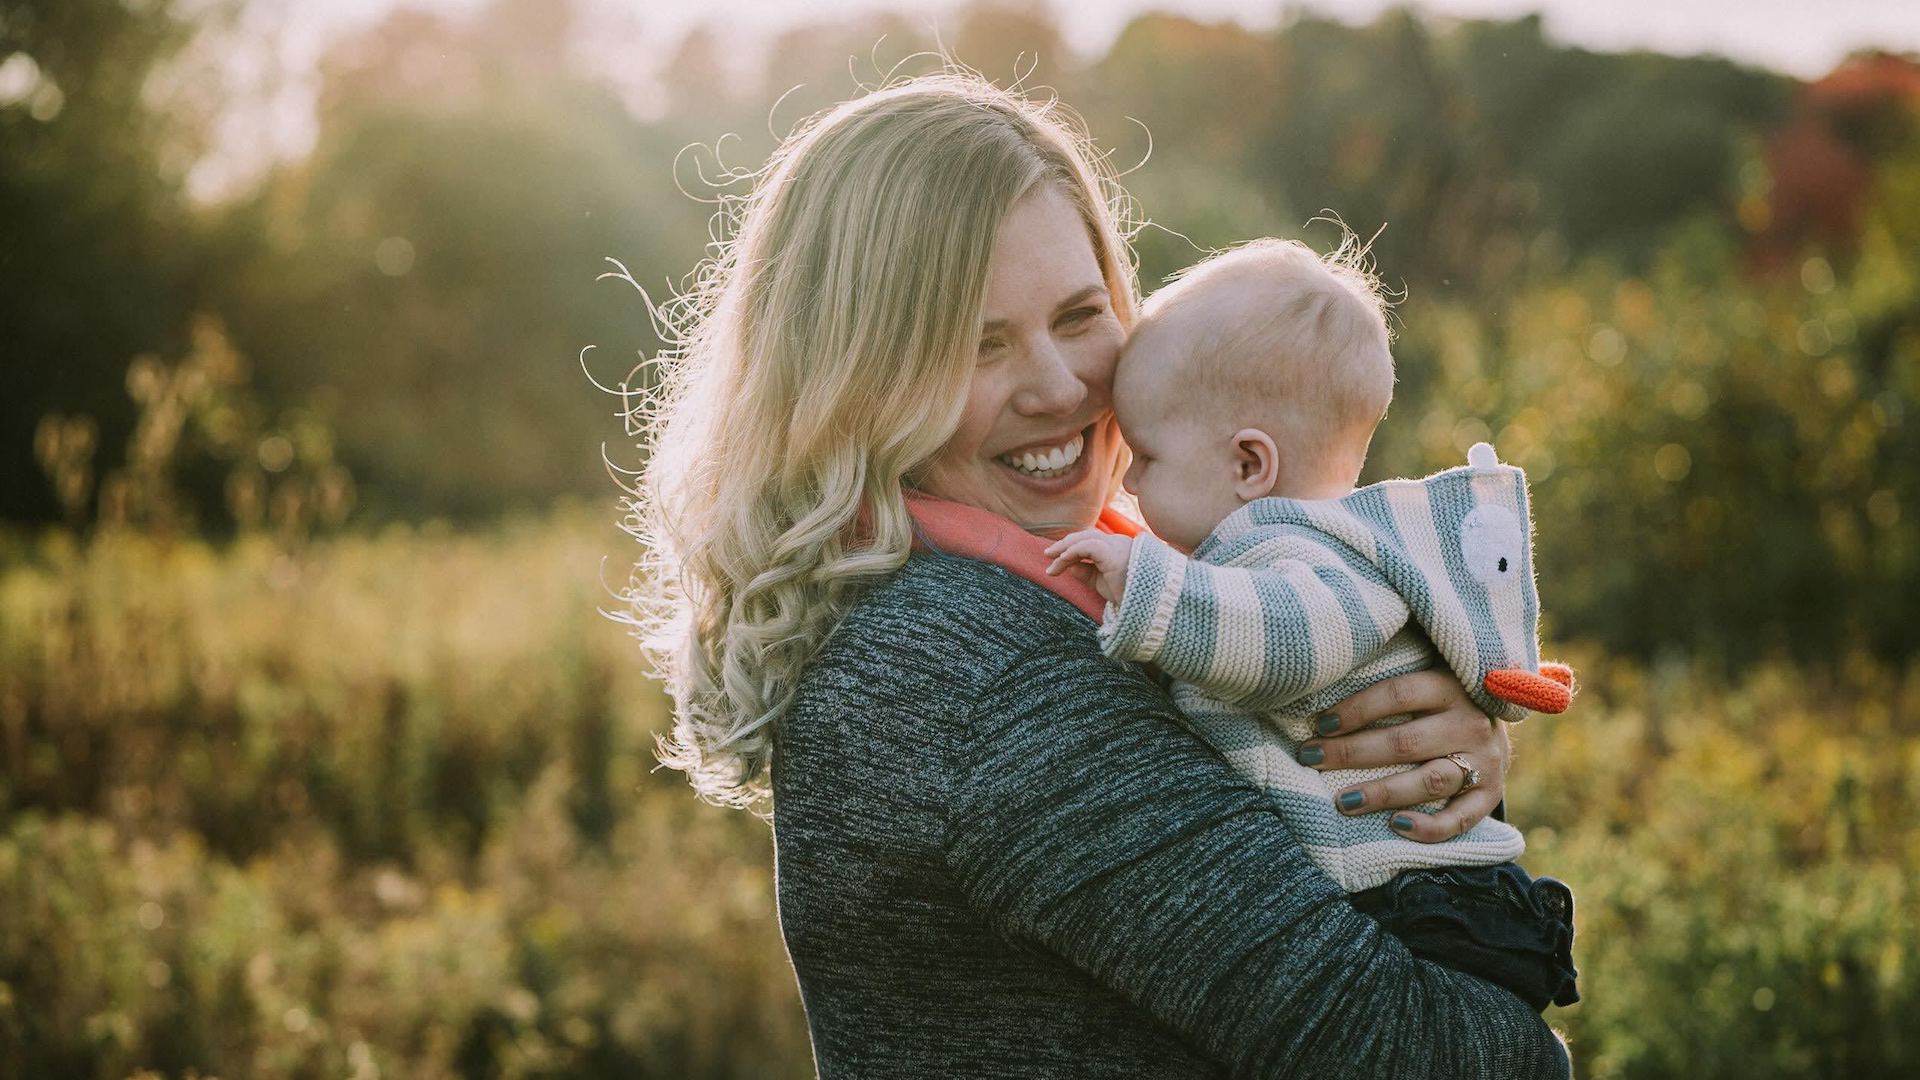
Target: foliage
{"x": 381, "y": 807}
{"x": 385, "y": 806}
{"x": 1720, "y": 467}
{"x": 101, "y": 256}
{"x": 200, "y": 414}
{"x": 433, "y": 262}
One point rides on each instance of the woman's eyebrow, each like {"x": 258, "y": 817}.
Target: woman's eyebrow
{"x": 1078, "y": 295}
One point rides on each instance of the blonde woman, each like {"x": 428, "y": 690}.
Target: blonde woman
{"x": 998, "y": 853}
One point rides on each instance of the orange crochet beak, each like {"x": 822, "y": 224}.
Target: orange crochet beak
{"x": 1549, "y": 691}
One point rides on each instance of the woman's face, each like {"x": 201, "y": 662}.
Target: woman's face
{"x": 1038, "y": 443}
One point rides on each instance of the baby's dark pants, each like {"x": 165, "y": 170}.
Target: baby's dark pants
{"x": 1493, "y": 922}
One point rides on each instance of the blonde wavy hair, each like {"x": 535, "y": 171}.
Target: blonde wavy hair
{"x": 821, "y": 357}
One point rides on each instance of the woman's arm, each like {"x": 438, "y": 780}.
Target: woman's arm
{"x": 1083, "y": 817}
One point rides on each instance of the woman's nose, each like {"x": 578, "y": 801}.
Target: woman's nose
{"x": 1052, "y": 386}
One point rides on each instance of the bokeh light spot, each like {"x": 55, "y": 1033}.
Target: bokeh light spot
{"x": 1817, "y": 275}
{"x": 1468, "y": 431}
{"x": 1883, "y": 509}
{"x": 1606, "y": 346}
{"x": 394, "y": 256}
{"x": 1813, "y": 338}
{"x": 276, "y": 453}
{"x": 19, "y": 78}
{"x": 1687, "y": 399}
{"x": 1672, "y": 463}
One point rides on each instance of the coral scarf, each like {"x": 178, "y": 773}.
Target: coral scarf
{"x": 953, "y": 528}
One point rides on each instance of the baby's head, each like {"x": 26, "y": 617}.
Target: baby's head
{"x": 1261, "y": 370}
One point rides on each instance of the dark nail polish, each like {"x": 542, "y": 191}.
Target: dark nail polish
{"x": 1353, "y": 800}
{"x": 1311, "y": 755}
{"x": 1402, "y": 822}
{"x": 1327, "y": 723}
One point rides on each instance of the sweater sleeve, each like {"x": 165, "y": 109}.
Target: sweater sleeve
{"x": 1085, "y": 819}
{"x": 1260, "y": 636}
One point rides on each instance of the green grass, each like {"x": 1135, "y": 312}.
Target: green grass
{"x": 386, "y": 806}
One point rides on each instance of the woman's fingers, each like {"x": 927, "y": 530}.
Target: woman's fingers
{"x": 1414, "y": 692}
{"x": 1437, "y": 779}
{"x": 1459, "y": 815}
{"x": 1444, "y": 721}
{"x": 1420, "y": 739}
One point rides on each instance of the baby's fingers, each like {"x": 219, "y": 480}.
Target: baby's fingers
{"x": 1077, "y": 537}
{"x": 1073, "y": 551}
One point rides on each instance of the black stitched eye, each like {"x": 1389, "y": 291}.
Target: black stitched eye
{"x": 1503, "y": 564}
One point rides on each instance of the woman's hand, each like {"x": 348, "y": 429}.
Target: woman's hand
{"x": 1446, "y": 721}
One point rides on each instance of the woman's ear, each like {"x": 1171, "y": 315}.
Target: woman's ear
{"x": 1256, "y": 464}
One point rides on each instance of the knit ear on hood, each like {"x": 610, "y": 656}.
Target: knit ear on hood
{"x": 1458, "y": 546}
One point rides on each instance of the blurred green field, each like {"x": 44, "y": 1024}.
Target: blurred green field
{"x": 384, "y": 806}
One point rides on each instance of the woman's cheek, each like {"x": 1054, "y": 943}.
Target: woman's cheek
{"x": 986, "y": 406}
{"x": 1105, "y": 342}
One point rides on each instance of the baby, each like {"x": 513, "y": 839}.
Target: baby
{"x": 1249, "y": 392}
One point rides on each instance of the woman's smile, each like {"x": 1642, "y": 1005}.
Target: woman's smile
{"x": 1050, "y": 464}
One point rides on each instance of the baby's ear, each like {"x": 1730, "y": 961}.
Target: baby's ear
{"x": 1256, "y": 464}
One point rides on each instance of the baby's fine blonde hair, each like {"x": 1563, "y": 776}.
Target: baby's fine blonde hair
{"x": 823, "y": 355}
{"x": 1277, "y": 336}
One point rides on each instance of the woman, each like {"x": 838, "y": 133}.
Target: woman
{"x": 998, "y": 853}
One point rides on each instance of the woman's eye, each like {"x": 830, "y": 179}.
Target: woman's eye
{"x": 1077, "y": 317}
{"x": 991, "y": 345}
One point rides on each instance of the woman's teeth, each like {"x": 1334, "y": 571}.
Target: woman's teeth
{"x": 1055, "y": 462}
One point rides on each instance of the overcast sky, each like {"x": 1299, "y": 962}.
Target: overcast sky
{"x": 1804, "y": 37}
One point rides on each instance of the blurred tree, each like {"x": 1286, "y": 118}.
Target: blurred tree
{"x": 101, "y": 114}
{"x": 1819, "y": 163}
{"x": 1656, "y": 140}
{"x": 1198, "y": 87}
{"x": 433, "y": 263}
{"x": 1015, "y": 44}
{"x": 1370, "y": 122}
{"x": 697, "y": 85}
{"x": 814, "y": 67}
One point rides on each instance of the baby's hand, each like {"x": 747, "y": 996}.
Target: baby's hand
{"x": 1108, "y": 552}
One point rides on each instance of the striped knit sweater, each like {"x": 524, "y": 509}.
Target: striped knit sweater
{"x": 1290, "y": 606}
{"x": 999, "y": 854}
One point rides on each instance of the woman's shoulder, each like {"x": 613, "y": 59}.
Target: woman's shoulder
{"x": 898, "y": 678}
{"x": 957, "y": 606}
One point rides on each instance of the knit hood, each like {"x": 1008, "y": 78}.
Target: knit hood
{"x": 1457, "y": 547}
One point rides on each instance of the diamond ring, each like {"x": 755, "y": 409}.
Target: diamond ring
{"x": 1470, "y": 777}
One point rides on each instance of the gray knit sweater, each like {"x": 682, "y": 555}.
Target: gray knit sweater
{"x": 1000, "y": 854}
